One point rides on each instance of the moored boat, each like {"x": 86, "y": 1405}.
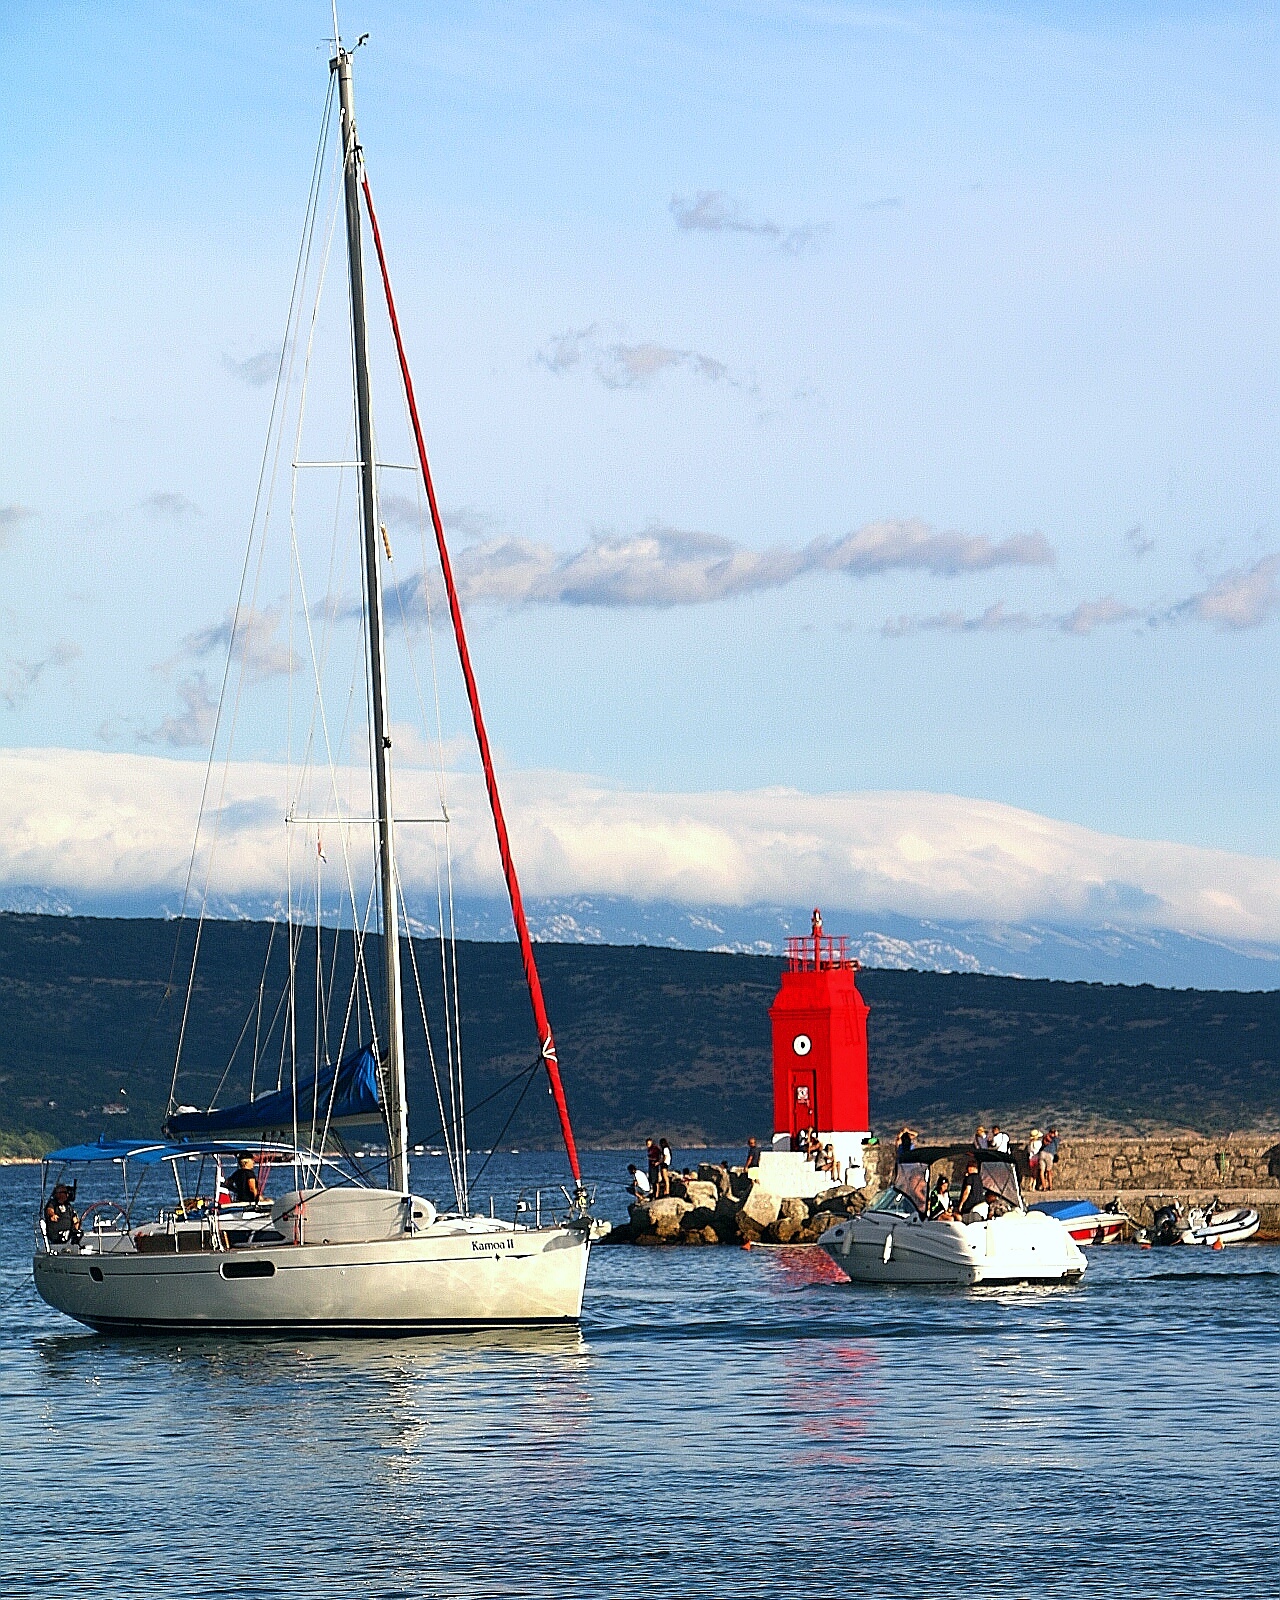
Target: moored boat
{"x": 1084, "y": 1221}
{"x": 333, "y": 1251}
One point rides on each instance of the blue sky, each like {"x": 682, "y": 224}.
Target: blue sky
{"x": 868, "y": 398}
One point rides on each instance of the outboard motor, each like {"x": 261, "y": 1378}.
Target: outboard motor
{"x": 1167, "y": 1224}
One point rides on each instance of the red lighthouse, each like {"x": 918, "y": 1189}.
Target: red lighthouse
{"x": 819, "y": 1067}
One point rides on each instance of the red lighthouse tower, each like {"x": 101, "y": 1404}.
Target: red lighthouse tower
{"x": 819, "y": 1066}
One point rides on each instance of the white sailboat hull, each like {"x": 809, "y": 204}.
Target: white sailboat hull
{"x": 441, "y": 1280}
{"x": 1022, "y": 1247}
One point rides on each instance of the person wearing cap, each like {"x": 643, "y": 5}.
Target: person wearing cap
{"x": 243, "y": 1182}
{"x": 61, "y": 1224}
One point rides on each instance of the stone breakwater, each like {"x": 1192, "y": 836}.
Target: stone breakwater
{"x": 724, "y": 1205}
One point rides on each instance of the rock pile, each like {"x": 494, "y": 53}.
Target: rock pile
{"x": 723, "y": 1206}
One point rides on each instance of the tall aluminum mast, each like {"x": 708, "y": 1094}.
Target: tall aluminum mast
{"x": 397, "y": 1114}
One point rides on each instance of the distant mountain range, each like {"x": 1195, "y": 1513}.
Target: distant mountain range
{"x": 651, "y": 1040}
{"x": 1095, "y": 953}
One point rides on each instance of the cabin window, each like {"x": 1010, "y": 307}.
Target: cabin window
{"x": 248, "y": 1269}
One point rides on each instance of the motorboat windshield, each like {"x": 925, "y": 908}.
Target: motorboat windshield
{"x": 912, "y": 1180}
{"x": 1001, "y": 1178}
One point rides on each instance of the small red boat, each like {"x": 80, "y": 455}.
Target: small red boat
{"x": 1084, "y": 1222}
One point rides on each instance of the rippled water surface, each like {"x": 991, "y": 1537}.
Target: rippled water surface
{"x": 725, "y": 1423}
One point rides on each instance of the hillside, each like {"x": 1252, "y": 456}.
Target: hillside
{"x": 650, "y": 1039}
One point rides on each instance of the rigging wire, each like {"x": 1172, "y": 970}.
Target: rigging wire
{"x": 283, "y": 373}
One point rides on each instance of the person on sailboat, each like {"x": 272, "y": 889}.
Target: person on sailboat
{"x": 243, "y": 1182}
{"x": 61, "y": 1224}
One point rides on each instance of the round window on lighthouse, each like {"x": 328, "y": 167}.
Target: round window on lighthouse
{"x": 802, "y": 1044}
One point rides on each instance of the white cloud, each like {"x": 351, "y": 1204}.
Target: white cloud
{"x": 253, "y": 642}
{"x": 166, "y": 506}
{"x": 669, "y": 567}
{"x": 19, "y": 677}
{"x": 190, "y": 728}
{"x": 627, "y": 366}
{"x": 93, "y": 822}
{"x": 11, "y": 517}
{"x": 1083, "y": 620}
{"x": 255, "y": 371}
{"x": 712, "y": 211}
{"x": 1244, "y": 598}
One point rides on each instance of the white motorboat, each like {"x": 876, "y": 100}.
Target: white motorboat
{"x": 895, "y": 1240}
{"x": 332, "y": 1252}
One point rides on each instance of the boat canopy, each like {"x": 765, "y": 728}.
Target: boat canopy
{"x": 151, "y": 1153}
{"x": 347, "y": 1093}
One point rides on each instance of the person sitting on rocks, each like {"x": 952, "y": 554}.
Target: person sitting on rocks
{"x": 828, "y": 1163}
{"x": 639, "y": 1185}
{"x": 812, "y": 1145}
{"x": 940, "y": 1207}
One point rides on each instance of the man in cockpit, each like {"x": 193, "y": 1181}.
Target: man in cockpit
{"x": 243, "y": 1182}
{"x": 61, "y": 1224}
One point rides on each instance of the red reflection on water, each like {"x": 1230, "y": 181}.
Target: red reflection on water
{"x": 833, "y": 1387}
{"x": 802, "y": 1265}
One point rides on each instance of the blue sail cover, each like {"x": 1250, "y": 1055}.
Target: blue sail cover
{"x": 355, "y": 1098}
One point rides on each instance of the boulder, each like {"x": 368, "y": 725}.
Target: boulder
{"x": 679, "y": 1187}
{"x": 749, "y": 1229}
{"x": 761, "y": 1208}
{"x": 700, "y": 1193}
{"x": 665, "y": 1214}
{"x": 714, "y": 1172}
{"x": 837, "y": 1198}
{"x": 740, "y": 1182}
{"x": 794, "y": 1210}
{"x": 641, "y": 1222}
{"x": 699, "y": 1218}
{"x": 785, "y": 1229}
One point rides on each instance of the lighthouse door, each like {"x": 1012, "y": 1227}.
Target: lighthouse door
{"x": 804, "y": 1100}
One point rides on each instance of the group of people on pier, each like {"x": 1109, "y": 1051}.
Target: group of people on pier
{"x": 655, "y": 1183}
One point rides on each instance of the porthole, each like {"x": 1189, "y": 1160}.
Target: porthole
{"x": 96, "y": 1274}
{"x": 802, "y": 1044}
{"x": 248, "y": 1269}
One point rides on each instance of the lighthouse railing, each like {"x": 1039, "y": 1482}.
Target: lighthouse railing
{"x": 817, "y": 952}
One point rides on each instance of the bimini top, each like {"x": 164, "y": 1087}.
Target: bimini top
{"x": 348, "y": 1093}
{"x": 149, "y": 1153}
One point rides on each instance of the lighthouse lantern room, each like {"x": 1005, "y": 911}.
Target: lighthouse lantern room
{"x": 819, "y": 1069}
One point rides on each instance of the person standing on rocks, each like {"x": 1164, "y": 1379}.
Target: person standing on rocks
{"x": 666, "y": 1165}
{"x": 753, "y": 1153}
{"x": 1048, "y": 1155}
{"x": 655, "y": 1165}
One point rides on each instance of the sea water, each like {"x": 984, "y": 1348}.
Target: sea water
{"x": 724, "y": 1423}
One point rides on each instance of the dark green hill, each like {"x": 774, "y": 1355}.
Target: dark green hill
{"x": 651, "y": 1040}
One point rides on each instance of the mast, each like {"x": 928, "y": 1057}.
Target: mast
{"x": 397, "y": 1113}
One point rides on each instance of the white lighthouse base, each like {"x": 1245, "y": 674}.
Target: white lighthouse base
{"x": 791, "y": 1175}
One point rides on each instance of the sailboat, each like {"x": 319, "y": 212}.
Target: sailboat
{"x": 331, "y": 1253}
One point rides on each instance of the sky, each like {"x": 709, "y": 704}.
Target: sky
{"x": 855, "y": 422}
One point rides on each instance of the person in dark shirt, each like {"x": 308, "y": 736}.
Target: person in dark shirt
{"x": 61, "y": 1224}
{"x": 971, "y": 1193}
{"x": 243, "y": 1182}
{"x": 906, "y": 1144}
